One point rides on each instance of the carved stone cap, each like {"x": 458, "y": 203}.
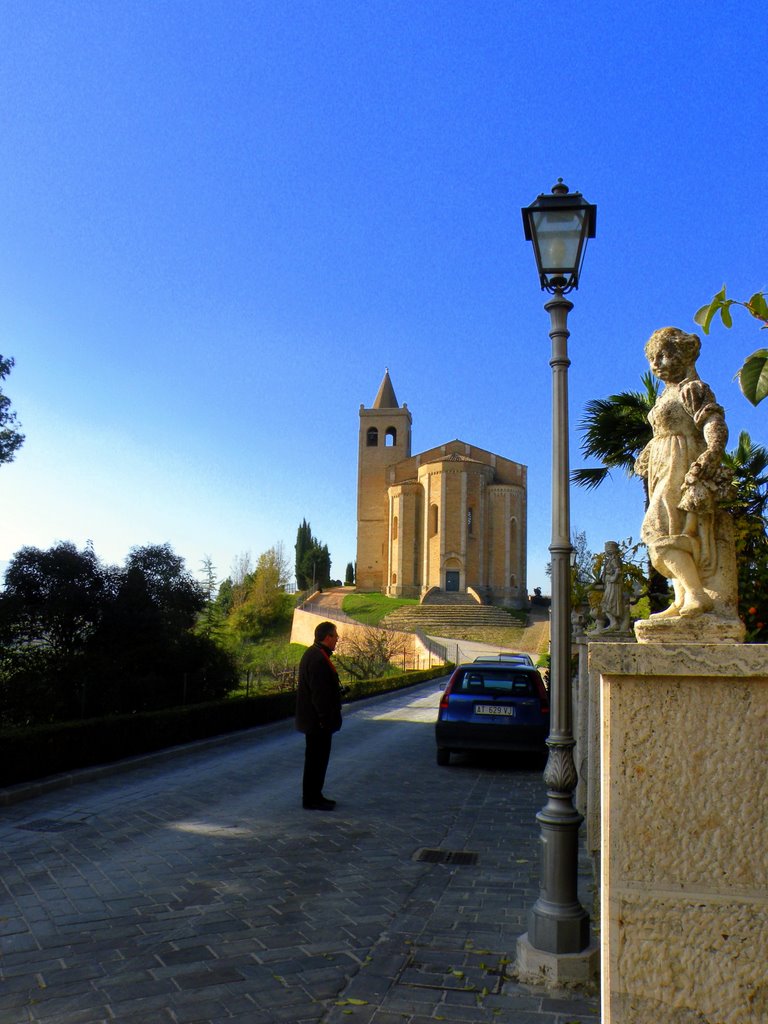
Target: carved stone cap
{"x": 700, "y": 629}
{"x": 701, "y": 660}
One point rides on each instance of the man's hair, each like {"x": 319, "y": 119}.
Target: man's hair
{"x": 323, "y": 629}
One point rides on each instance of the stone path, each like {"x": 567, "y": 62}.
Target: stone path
{"x": 196, "y": 890}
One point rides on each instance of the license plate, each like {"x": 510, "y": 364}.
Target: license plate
{"x": 495, "y": 709}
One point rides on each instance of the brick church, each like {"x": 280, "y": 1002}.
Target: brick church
{"x": 449, "y": 520}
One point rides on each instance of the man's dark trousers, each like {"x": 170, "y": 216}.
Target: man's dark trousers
{"x": 316, "y": 757}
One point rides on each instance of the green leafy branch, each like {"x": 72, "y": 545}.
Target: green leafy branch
{"x": 753, "y": 376}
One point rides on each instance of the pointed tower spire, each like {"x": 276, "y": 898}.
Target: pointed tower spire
{"x": 385, "y": 399}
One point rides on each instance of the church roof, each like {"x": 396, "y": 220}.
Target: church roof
{"x": 385, "y": 399}
{"x": 451, "y": 457}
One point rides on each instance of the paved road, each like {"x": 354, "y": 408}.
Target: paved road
{"x": 459, "y": 651}
{"x": 198, "y": 890}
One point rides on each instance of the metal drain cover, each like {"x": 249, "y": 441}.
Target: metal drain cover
{"x": 428, "y": 856}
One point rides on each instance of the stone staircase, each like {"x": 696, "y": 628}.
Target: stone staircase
{"x": 443, "y": 619}
{"x": 449, "y": 597}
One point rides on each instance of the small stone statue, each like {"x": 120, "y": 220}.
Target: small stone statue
{"x": 614, "y": 606}
{"x": 689, "y": 536}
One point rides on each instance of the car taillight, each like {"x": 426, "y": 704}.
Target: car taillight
{"x": 446, "y": 695}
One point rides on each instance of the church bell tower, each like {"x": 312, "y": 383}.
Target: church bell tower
{"x": 385, "y": 439}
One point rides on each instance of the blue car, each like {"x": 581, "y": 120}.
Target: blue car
{"x": 492, "y": 706}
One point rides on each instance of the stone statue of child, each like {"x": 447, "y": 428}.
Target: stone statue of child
{"x": 689, "y": 537}
{"x": 614, "y": 606}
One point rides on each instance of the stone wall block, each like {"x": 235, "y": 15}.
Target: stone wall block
{"x": 684, "y": 857}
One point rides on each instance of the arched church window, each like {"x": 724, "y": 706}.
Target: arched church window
{"x": 513, "y": 538}
{"x": 372, "y": 437}
{"x": 390, "y": 438}
{"x": 394, "y": 528}
{"x": 433, "y": 520}
{"x": 470, "y": 517}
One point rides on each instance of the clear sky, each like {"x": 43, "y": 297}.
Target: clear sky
{"x": 221, "y": 221}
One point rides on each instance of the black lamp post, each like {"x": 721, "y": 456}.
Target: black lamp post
{"x": 559, "y": 226}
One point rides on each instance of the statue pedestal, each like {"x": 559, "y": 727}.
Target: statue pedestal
{"x": 700, "y": 629}
{"x": 684, "y": 851}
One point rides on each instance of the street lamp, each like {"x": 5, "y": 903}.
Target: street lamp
{"x": 559, "y": 226}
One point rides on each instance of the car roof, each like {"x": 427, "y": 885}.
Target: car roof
{"x": 504, "y": 657}
{"x": 496, "y": 666}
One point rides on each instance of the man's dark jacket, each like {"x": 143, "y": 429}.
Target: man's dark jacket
{"x": 318, "y": 700}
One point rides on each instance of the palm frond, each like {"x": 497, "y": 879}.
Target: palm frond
{"x": 615, "y": 430}
{"x": 589, "y": 478}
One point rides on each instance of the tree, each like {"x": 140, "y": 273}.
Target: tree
{"x": 303, "y": 543}
{"x": 211, "y": 620}
{"x": 749, "y": 511}
{"x": 10, "y": 438}
{"x": 262, "y": 601}
{"x": 210, "y": 583}
{"x": 146, "y": 654}
{"x": 242, "y": 566}
{"x": 54, "y": 600}
{"x": 753, "y": 375}
{"x": 78, "y": 638}
{"x": 313, "y": 561}
{"x": 316, "y": 566}
{"x": 50, "y": 611}
{"x": 366, "y": 653}
{"x": 349, "y": 576}
{"x": 172, "y": 591}
{"x": 225, "y": 597}
{"x": 582, "y": 570}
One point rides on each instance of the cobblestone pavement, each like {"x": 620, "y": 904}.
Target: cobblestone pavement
{"x": 195, "y": 890}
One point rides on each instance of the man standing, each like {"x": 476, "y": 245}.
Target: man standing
{"x": 318, "y": 713}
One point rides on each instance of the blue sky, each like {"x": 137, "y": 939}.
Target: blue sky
{"x": 222, "y": 220}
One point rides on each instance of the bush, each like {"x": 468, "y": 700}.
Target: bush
{"x": 42, "y": 750}
{"x": 362, "y": 688}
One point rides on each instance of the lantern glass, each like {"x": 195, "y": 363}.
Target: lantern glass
{"x": 559, "y": 235}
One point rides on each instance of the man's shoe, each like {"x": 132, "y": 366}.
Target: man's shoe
{"x": 319, "y": 805}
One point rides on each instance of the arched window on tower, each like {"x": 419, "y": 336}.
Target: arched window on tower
{"x": 433, "y": 520}
{"x": 394, "y": 528}
{"x": 372, "y": 437}
{"x": 390, "y": 438}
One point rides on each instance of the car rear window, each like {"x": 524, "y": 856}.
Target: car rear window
{"x": 515, "y": 684}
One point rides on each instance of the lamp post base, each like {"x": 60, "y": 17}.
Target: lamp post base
{"x": 563, "y": 931}
{"x": 557, "y": 970}
{"x": 558, "y": 923}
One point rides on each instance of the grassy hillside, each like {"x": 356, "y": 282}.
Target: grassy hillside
{"x": 370, "y": 609}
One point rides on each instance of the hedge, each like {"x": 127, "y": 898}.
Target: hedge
{"x": 43, "y": 750}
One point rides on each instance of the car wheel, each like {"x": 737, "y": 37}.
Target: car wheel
{"x": 443, "y": 757}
